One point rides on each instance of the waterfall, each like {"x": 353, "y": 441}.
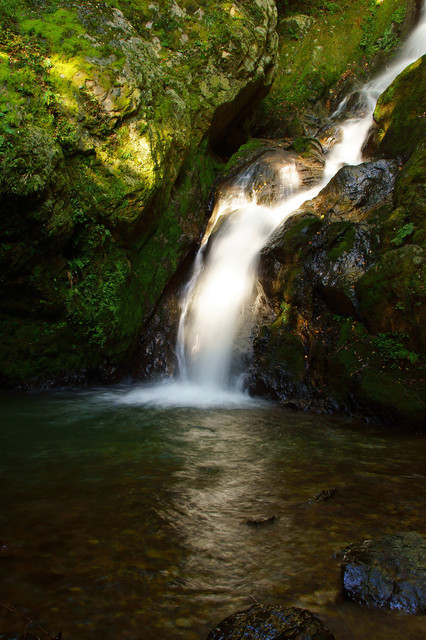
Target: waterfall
{"x": 355, "y": 130}
{"x": 222, "y": 285}
{"x": 223, "y": 279}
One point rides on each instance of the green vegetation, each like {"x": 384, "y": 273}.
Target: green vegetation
{"x": 399, "y": 112}
{"x": 391, "y": 347}
{"x": 403, "y": 233}
{"x": 9, "y": 12}
{"x": 245, "y": 152}
{"x": 323, "y": 49}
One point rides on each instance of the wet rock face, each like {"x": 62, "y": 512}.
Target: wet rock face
{"x": 343, "y": 279}
{"x": 387, "y": 572}
{"x": 266, "y": 160}
{"x": 357, "y": 189}
{"x": 264, "y": 622}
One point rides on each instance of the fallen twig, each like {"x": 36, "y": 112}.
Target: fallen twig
{"x": 11, "y": 609}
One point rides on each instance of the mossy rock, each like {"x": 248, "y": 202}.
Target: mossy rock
{"x": 410, "y": 189}
{"x": 324, "y": 50}
{"x": 392, "y": 294}
{"x": 399, "y": 112}
{"x": 266, "y": 622}
{"x": 30, "y": 164}
{"x": 382, "y": 395}
{"x": 104, "y": 154}
{"x": 279, "y": 368}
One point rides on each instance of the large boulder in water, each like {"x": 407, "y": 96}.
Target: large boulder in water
{"x": 387, "y": 572}
{"x": 266, "y": 622}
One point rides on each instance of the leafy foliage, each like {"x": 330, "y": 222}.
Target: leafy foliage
{"x": 403, "y": 233}
{"x": 390, "y": 347}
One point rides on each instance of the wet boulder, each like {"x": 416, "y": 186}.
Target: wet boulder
{"x": 355, "y": 190}
{"x": 310, "y": 160}
{"x": 265, "y": 622}
{"x": 340, "y": 255}
{"x": 387, "y": 572}
{"x": 265, "y": 179}
{"x": 267, "y": 169}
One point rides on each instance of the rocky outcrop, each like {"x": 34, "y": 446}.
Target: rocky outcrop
{"x": 255, "y": 171}
{"x": 108, "y": 118}
{"x": 338, "y": 286}
{"x": 271, "y": 623}
{"x": 387, "y": 572}
{"x": 344, "y": 280}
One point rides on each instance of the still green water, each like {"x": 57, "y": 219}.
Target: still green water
{"x": 124, "y": 522}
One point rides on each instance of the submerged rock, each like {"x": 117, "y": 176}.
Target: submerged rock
{"x": 259, "y": 522}
{"x": 323, "y": 496}
{"x": 265, "y": 622}
{"x": 387, "y": 572}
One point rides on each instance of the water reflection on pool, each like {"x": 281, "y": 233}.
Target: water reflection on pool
{"x": 123, "y": 522}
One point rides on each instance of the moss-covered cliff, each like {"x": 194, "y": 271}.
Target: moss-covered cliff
{"x": 342, "y": 322}
{"x": 108, "y": 111}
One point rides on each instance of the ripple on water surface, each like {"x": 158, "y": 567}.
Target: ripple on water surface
{"x": 123, "y": 520}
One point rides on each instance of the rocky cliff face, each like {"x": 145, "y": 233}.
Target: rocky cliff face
{"x": 108, "y": 114}
{"x": 345, "y": 280}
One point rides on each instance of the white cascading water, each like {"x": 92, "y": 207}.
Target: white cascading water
{"x": 223, "y": 279}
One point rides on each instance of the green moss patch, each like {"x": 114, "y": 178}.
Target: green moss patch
{"x": 399, "y": 112}
{"x": 322, "y": 47}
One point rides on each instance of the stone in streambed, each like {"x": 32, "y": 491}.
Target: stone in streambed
{"x": 387, "y": 572}
{"x": 266, "y": 622}
{"x": 323, "y": 496}
{"x": 258, "y": 522}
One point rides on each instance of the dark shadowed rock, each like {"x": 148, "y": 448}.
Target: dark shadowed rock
{"x": 265, "y": 622}
{"x": 259, "y": 522}
{"x": 323, "y": 496}
{"x": 387, "y": 572}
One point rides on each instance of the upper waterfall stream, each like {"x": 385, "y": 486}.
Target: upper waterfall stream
{"x": 221, "y": 292}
